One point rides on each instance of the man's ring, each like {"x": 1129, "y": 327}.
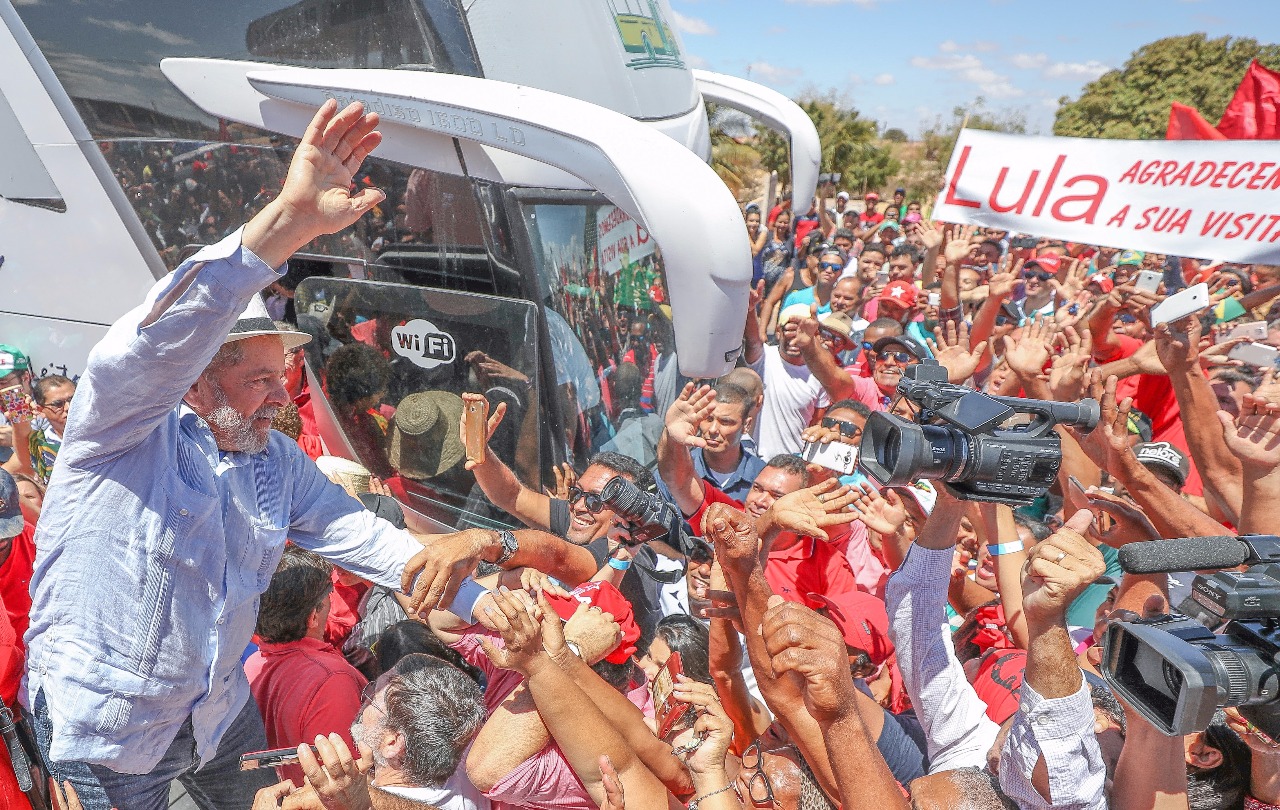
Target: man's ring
{"x": 1062, "y": 555}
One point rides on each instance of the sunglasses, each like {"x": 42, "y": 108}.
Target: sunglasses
{"x": 591, "y": 500}
{"x": 1037, "y": 274}
{"x": 902, "y": 357}
{"x": 58, "y": 404}
{"x": 847, "y": 429}
{"x": 1127, "y": 318}
{"x": 831, "y": 266}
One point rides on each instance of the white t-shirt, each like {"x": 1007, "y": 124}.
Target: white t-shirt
{"x": 456, "y": 794}
{"x": 791, "y": 395}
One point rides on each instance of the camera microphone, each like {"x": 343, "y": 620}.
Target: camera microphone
{"x": 1198, "y": 553}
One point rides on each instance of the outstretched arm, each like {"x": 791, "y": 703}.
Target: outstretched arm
{"x": 675, "y": 464}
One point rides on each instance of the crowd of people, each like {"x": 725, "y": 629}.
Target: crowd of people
{"x": 183, "y": 585}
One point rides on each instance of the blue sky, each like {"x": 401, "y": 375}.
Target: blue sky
{"x": 903, "y": 63}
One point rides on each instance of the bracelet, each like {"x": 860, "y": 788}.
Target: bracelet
{"x": 620, "y": 565}
{"x": 693, "y": 805}
{"x": 573, "y": 648}
{"x": 1251, "y": 803}
{"x": 1005, "y": 548}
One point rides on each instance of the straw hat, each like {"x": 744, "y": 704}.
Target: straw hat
{"x": 423, "y": 437}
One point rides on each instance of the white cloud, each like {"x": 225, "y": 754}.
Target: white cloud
{"x": 884, "y": 79}
{"x": 146, "y": 29}
{"x": 773, "y": 74}
{"x": 1076, "y": 70}
{"x": 862, "y": 3}
{"x": 691, "y": 25}
{"x": 1029, "y": 61}
{"x": 971, "y": 69}
{"x": 696, "y": 61}
{"x": 774, "y": 30}
{"x": 949, "y": 46}
{"x": 986, "y": 46}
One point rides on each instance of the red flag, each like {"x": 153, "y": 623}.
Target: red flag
{"x": 1185, "y": 124}
{"x": 1254, "y": 111}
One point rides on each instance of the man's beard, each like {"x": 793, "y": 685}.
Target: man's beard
{"x": 368, "y": 737}
{"x": 237, "y": 431}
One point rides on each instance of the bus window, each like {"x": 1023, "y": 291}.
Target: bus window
{"x": 394, "y": 360}
{"x": 429, "y": 231}
{"x": 604, "y": 293}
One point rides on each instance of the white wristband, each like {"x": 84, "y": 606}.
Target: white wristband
{"x": 1005, "y": 548}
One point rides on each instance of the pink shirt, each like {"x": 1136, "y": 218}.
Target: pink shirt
{"x": 545, "y": 779}
{"x": 869, "y": 571}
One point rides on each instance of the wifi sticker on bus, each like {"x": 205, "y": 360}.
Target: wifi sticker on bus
{"x": 423, "y": 344}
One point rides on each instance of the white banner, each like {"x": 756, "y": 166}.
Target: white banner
{"x": 619, "y": 240}
{"x": 1202, "y": 199}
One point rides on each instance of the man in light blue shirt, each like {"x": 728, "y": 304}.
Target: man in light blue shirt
{"x": 172, "y": 505}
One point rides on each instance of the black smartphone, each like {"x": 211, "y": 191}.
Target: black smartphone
{"x": 268, "y": 759}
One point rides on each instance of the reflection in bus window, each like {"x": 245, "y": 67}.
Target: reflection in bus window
{"x": 605, "y": 297}
{"x": 394, "y": 360}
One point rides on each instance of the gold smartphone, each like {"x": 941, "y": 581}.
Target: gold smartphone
{"x": 477, "y": 417}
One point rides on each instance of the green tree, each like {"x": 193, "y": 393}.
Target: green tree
{"x": 734, "y": 159}
{"x": 940, "y": 138}
{"x": 845, "y": 136}
{"x": 1133, "y": 102}
{"x": 895, "y": 135}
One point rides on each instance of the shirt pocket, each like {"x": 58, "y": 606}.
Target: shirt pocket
{"x": 262, "y": 553}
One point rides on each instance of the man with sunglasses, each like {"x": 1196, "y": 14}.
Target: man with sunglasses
{"x": 831, "y": 264}
{"x": 1038, "y": 295}
{"x": 888, "y": 358}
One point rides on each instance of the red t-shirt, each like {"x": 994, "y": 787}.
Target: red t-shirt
{"x": 344, "y": 605}
{"x": 710, "y": 495}
{"x": 15, "y": 581}
{"x": 304, "y": 689}
{"x": 807, "y": 566}
{"x": 1153, "y": 395}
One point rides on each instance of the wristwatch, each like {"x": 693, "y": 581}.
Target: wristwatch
{"x": 509, "y": 546}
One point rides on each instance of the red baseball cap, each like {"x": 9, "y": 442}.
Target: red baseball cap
{"x": 871, "y": 195}
{"x": 1049, "y": 262}
{"x": 899, "y": 292}
{"x": 998, "y": 682}
{"x": 606, "y": 597}
{"x": 862, "y": 621}
{"x": 1104, "y": 282}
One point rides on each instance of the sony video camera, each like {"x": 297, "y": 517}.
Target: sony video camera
{"x": 651, "y": 518}
{"x": 960, "y": 438}
{"x": 1221, "y": 650}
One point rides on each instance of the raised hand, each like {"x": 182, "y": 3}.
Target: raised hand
{"x": 1104, "y": 444}
{"x": 1074, "y": 282}
{"x": 1058, "y": 570}
{"x": 688, "y": 412}
{"x": 1177, "y": 344}
{"x": 1129, "y": 522}
{"x": 734, "y": 535}
{"x": 881, "y": 512}
{"x": 491, "y": 423}
{"x": 1001, "y": 284}
{"x": 592, "y": 629}
{"x": 810, "y": 511}
{"x": 1066, "y": 375}
{"x": 520, "y": 629}
{"x": 951, "y": 349}
{"x": 1028, "y": 355}
{"x": 432, "y": 577}
{"x": 930, "y": 236}
{"x": 1254, "y": 435}
{"x": 316, "y": 198}
{"x": 713, "y": 727}
{"x": 566, "y": 477}
{"x": 960, "y": 248}
{"x": 811, "y": 648}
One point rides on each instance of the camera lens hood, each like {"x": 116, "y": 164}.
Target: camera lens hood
{"x": 894, "y": 450}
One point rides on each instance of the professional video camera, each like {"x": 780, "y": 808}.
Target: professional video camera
{"x": 652, "y": 518}
{"x": 1222, "y": 650}
{"x": 959, "y": 438}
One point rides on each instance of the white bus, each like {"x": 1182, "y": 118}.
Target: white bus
{"x": 550, "y": 215}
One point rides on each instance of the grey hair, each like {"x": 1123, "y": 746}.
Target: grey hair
{"x": 439, "y": 710}
{"x": 977, "y": 789}
{"x": 228, "y": 355}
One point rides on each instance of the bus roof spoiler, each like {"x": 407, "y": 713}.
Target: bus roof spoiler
{"x": 779, "y": 113}
{"x": 663, "y": 186}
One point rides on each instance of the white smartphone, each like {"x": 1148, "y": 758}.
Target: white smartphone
{"x": 935, "y": 299}
{"x": 1255, "y": 330}
{"x": 838, "y": 456}
{"x": 1255, "y": 354}
{"x": 1181, "y": 304}
{"x": 1148, "y": 281}
{"x": 882, "y": 277}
